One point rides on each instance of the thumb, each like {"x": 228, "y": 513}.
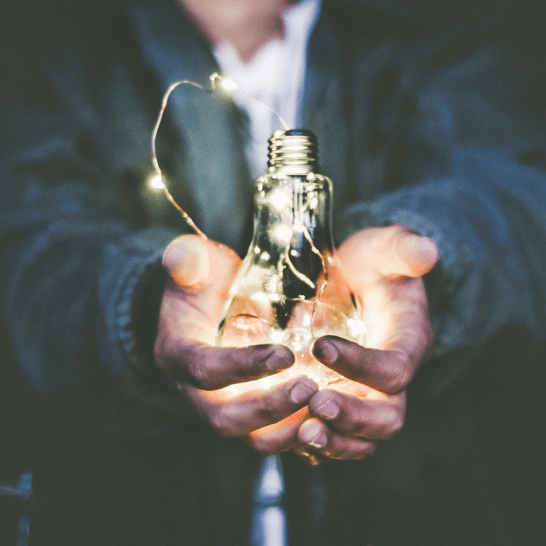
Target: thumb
{"x": 187, "y": 260}
{"x": 413, "y": 254}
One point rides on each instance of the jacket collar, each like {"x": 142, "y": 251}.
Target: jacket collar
{"x": 213, "y": 179}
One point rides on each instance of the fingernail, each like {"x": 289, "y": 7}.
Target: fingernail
{"x": 313, "y": 435}
{"x": 172, "y": 253}
{"x": 326, "y": 352}
{"x": 301, "y": 392}
{"x": 278, "y": 361}
{"x": 328, "y": 410}
{"x": 428, "y": 250}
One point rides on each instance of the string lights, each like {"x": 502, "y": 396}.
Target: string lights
{"x": 217, "y": 82}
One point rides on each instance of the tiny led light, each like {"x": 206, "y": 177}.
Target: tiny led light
{"x": 155, "y": 181}
{"x": 228, "y": 84}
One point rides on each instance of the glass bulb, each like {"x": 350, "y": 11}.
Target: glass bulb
{"x": 290, "y": 288}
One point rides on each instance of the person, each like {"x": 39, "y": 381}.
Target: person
{"x": 111, "y": 379}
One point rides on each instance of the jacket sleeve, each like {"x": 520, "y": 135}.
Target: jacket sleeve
{"x": 476, "y": 186}
{"x": 80, "y": 271}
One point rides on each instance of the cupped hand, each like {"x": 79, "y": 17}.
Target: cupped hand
{"x": 201, "y": 272}
{"x": 384, "y": 267}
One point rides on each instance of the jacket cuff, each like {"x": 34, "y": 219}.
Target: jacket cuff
{"x": 132, "y": 317}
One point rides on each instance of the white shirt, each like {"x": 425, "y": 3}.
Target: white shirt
{"x": 276, "y": 75}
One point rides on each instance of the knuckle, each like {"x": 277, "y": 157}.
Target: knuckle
{"x": 354, "y": 451}
{"x": 199, "y": 372}
{"x": 396, "y": 424}
{"x": 399, "y": 377}
{"x": 350, "y": 426}
{"x": 387, "y": 421}
{"x": 220, "y": 422}
{"x": 244, "y": 355}
{"x": 162, "y": 355}
{"x": 270, "y": 411}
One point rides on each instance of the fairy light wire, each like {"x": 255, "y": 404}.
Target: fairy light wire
{"x": 155, "y": 162}
{"x": 229, "y": 84}
{"x": 216, "y": 81}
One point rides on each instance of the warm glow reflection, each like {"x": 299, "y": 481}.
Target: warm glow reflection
{"x": 381, "y": 314}
{"x": 376, "y": 329}
{"x": 357, "y": 328}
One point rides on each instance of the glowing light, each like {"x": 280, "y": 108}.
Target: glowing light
{"x": 282, "y": 234}
{"x": 376, "y": 329}
{"x": 228, "y": 84}
{"x": 298, "y": 339}
{"x": 261, "y": 298}
{"x": 279, "y": 199}
{"x": 357, "y": 328}
{"x": 155, "y": 181}
{"x": 270, "y": 284}
{"x": 277, "y": 336}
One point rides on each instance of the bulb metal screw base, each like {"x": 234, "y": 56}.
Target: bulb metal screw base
{"x": 293, "y": 152}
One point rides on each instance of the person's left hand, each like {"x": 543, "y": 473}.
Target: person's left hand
{"x": 384, "y": 267}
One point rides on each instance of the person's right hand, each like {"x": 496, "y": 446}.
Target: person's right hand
{"x": 201, "y": 272}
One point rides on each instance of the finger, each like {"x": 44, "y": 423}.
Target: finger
{"x": 194, "y": 263}
{"x": 322, "y": 440}
{"x": 212, "y": 368}
{"x": 388, "y": 371}
{"x": 409, "y": 254}
{"x": 371, "y": 419}
{"x": 186, "y": 259}
{"x": 246, "y": 413}
{"x": 391, "y": 251}
{"x": 278, "y": 437}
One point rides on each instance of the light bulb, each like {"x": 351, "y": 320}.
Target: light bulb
{"x": 290, "y": 288}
